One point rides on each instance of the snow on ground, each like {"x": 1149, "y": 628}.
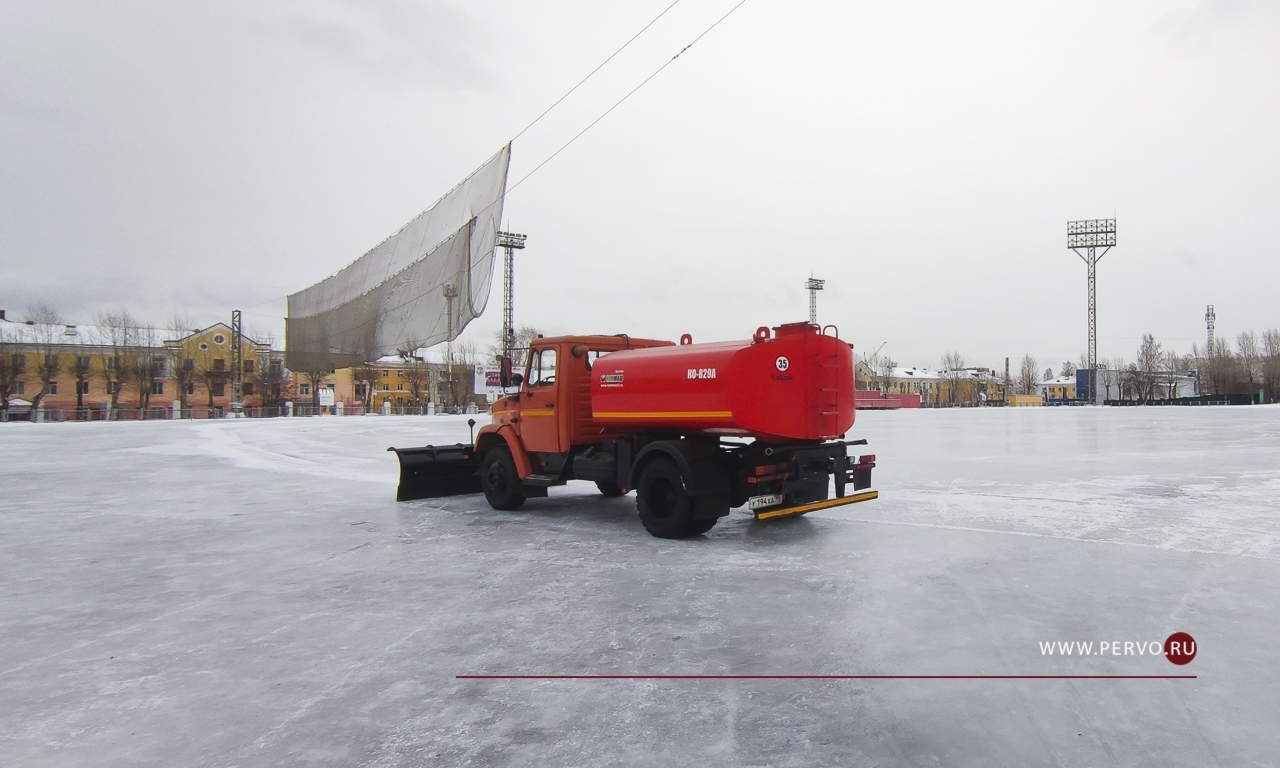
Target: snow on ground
{"x": 247, "y": 592}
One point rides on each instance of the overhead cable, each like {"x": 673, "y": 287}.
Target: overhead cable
{"x": 592, "y": 72}
{"x": 629, "y": 93}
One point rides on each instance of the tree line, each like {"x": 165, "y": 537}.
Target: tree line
{"x": 1249, "y": 366}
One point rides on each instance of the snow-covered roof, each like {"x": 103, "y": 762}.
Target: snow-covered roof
{"x": 94, "y": 335}
{"x": 909, "y": 373}
{"x": 916, "y": 374}
{"x": 1061, "y": 381}
{"x": 40, "y": 333}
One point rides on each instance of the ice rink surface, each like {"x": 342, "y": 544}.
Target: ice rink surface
{"x": 248, "y": 593}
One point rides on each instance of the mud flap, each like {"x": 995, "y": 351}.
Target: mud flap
{"x": 434, "y": 471}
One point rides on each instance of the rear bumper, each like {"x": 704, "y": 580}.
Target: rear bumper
{"x": 800, "y": 509}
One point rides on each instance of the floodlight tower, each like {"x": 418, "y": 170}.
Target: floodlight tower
{"x": 1085, "y": 238}
{"x": 813, "y": 285}
{"x": 1209, "y": 318}
{"x": 511, "y": 242}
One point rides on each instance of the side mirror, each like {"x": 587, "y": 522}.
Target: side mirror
{"x": 517, "y": 379}
{"x": 504, "y": 373}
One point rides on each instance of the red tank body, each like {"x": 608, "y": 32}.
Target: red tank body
{"x": 795, "y": 385}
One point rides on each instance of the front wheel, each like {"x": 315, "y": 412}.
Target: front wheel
{"x": 608, "y": 489}
{"x": 665, "y": 509}
{"x": 499, "y": 479}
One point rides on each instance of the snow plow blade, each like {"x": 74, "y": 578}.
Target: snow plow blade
{"x": 770, "y": 514}
{"x": 434, "y": 471}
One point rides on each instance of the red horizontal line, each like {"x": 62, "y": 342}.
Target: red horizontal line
{"x": 825, "y": 677}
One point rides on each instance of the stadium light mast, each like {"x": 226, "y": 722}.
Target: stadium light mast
{"x": 813, "y": 285}
{"x": 511, "y": 242}
{"x": 1085, "y": 238}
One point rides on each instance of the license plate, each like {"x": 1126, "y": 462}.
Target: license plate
{"x": 768, "y": 500}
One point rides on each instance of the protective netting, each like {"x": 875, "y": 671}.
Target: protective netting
{"x": 394, "y": 297}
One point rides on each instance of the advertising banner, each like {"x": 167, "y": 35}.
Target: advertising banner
{"x": 489, "y": 382}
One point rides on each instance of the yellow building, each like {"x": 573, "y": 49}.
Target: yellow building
{"x": 1061, "y": 388}
{"x": 124, "y": 371}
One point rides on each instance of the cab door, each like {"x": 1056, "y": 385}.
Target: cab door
{"x": 540, "y": 403}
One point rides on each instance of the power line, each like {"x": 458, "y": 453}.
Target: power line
{"x": 592, "y": 72}
{"x": 624, "y": 98}
{"x": 605, "y": 114}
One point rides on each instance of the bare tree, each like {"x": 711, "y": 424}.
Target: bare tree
{"x": 1271, "y": 363}
{"x": 213, "y": 373}
{"x": 316, "y": 379}
{"x": 182, "y": 366}
{"x": 1173, "y": 366}
{"x": 885, "y": 367}
{"x": 119, "y": 329}
{"x": 466, "y": 353}
{"x": 525, "y": 335}
{"x": 12, "y": 366}
{"x": 80, "y": 368}
{"x": 365, "y": 377}
{"x": 1147, "y": 367}
{"x": 952, "y": 373}
{"x": 1028, "y": 378}
{"x": 1109, "y": 376}
{"x": 1225, "y": 367}
{"x": 1067, "y": 369}
{"x": 268, "y": 373}
{"x": 1250, "y": 359}
{"x": 47, "y": 323}
{"x": 148, "y": 367}
{"x": 417, "y": 375}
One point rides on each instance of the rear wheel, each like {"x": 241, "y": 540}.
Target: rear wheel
{"x": 665, "y": 509}
{"x": 499, "y": 479}
{"x": 699, "y": 527}
{"x": 608, "y": 489}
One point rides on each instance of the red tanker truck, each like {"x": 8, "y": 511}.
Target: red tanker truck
{"x": 695, "y": 429}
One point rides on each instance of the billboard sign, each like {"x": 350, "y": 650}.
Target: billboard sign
{"x": 489, "y": 382}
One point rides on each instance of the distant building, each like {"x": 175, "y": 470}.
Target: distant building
{"x": 92, "y": 372}
{"x": 404, "y": 385}
{"x": 1060, "y": 388}
{"x": 968, "y": 386}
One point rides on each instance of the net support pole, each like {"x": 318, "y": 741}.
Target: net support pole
{"x": 237, "y": 360}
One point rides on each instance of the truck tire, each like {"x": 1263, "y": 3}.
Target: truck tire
{"x": 699, "y": 527}
{"x": 665, "y": 509}
{"x": 608, "y": 489}
{"x": 499, "y": 479}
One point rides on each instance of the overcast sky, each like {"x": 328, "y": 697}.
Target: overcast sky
{"x": 923, "y": 158}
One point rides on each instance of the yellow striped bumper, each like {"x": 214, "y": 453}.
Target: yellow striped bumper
{"x": 770, "y": 514}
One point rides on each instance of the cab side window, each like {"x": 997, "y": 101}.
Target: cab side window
{"x": 543, "y": 372}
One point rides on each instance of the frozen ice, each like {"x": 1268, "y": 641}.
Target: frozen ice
{"x": 247, "y": 592}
